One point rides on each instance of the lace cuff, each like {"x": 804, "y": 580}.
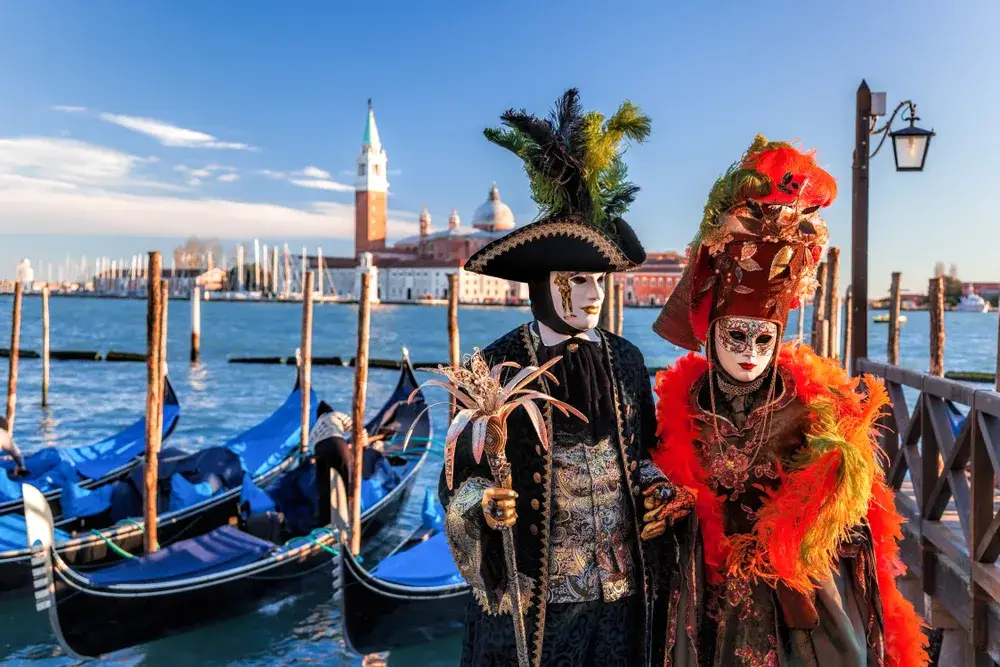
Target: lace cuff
{"x": 648, "y": 474}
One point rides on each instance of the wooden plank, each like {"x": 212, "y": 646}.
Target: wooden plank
{"x": 454, "y": 350}
{"x": 936, "y": 294}
{"x": 360, "y": 439}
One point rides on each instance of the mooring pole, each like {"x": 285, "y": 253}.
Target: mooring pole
{"x": 936, "y": 296}
{"x": 195, "y": 324}
{"x": 45, "y": 346}
{"x": 848, "y": 324}
{"x": 832, "y": 301}
{"x": 453, "y": 346}
{"x": 15, "y": 342}
{"x": 819, "y": 311}
{"x": 161, "y": 387}
{"x": 307, "y": 346}
{"x": 154, "y": 377}
{"x": 892, "y": 353}
{"x": 358, "y": 412}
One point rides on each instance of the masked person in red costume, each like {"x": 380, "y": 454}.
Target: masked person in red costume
{"x": 790, "y": 556}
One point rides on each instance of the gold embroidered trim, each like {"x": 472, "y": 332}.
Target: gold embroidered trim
{"x": 543, "y": 575}
{"x": 626, "y": 466}
{"x": 540, "y": 230}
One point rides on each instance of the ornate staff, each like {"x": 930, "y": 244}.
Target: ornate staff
{"x": 486, "y": 403}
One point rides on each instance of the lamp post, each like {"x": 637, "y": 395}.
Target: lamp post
{"x": 909, "y": 147}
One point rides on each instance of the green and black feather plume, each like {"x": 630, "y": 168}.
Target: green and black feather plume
{"x": 574, "y": 158}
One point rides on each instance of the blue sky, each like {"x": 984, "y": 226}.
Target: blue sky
{"x": 125, "y": 127}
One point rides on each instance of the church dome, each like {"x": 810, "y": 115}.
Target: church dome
{"x": 493, "y": 215}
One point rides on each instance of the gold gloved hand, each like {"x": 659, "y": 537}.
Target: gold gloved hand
{"x": 499, "y": 508}
{"x": 665, "y": 504}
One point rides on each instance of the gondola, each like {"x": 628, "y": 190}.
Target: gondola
{"x": 413, "y": 596}
{"x": 92, "y": 466}
{"x": 227, "y": 571}
{"x": 107, "y": 524}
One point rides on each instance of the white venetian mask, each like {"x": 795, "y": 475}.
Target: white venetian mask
{"x": 745, "y": 346}
{"x": 577, "y": 297}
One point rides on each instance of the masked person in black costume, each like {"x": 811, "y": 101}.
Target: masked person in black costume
{"x": 587, "y": 511}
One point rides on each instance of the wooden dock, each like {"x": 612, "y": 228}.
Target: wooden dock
{"x": 947, "y": 488}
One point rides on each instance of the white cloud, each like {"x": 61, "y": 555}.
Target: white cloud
{"x": 68, "y": 109}
{"x": 171, "y": 135}
{"x": 70, "y": 162}
{"x": 196, "y": 176}
{"x": 319, "y": 184}
{"x": 59, "y": 186}
{"x": 313, "y": 172}
{"x": 275, "y": 175}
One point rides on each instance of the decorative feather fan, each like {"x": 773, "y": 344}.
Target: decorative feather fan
{"x": 574, "y": 158}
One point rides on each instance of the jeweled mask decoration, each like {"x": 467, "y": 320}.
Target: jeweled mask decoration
{"x": 745, "y": 346}
{"x": 577, "y": 298}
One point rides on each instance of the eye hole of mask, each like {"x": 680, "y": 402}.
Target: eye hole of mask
{"x": 738, "y": 336}
{"x": 578, "y": 280}
{"x": 764, "y": 339}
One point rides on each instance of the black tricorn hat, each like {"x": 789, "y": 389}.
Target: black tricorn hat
{"x": 562, "y": 244}
{"x": 578, "y": 179}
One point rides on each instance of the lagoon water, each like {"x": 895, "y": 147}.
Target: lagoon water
{"x": 91, "y": 400}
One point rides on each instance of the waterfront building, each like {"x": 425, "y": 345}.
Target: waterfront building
{"x": 652, "y": 283}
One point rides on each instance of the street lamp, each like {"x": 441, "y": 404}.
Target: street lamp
{"x": 909, "y": 147}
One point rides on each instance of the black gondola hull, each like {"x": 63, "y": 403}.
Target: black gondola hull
{"x": 377, "y": 616}
{"x": 93, "y": 625}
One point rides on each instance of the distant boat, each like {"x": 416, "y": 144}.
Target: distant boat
{"x": 973, "y": 303}
{"x": 884, "y": 319}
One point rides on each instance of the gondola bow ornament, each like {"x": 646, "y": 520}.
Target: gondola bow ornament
{"x": 486, "y": 402}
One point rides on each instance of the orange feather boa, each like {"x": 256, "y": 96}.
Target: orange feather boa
{"x": 833, "y": 484}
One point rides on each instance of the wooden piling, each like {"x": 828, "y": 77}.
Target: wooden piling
{"x": 936, "y": 295}
{"x": 848, "y": 324}
{"x": 620, "y": 302}
{"x": 819, "y": 311}
{"x": 15, "y": 342}
{"x": 453, "y": 346}
{"x": 358, "y": 412}
{"x": 161, "y": 385}
{"x": 824, "y": 337}
{"x": 802, "y": 323}
{"x": 892, "y": 351}
{"x": 195, "y": 324}
{"x": 45, "y": 346}
{"x": 306, "y": 378}
{"x": 832, "y": 303}
{"x": 154, "y": 322}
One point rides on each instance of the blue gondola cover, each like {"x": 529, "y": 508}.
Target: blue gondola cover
{"x": 184, "y": 494}
{"x": 80, "y": 502}
{"x": 224, "y": 548}
{"x": 427, "y": 564}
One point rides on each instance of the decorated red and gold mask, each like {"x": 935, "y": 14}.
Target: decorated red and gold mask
{"x": 745, "y": 346}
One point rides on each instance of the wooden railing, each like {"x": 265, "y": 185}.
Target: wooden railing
{"x": 946, "y": 488}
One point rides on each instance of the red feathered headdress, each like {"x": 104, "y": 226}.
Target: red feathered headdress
{"x": 758, "y": 246}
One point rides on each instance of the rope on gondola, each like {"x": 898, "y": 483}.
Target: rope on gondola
{"x": 312, "y": 538}
{"x": 114, "y": 547}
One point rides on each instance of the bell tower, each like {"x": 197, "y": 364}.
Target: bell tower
{"x": 371, "y": 188}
